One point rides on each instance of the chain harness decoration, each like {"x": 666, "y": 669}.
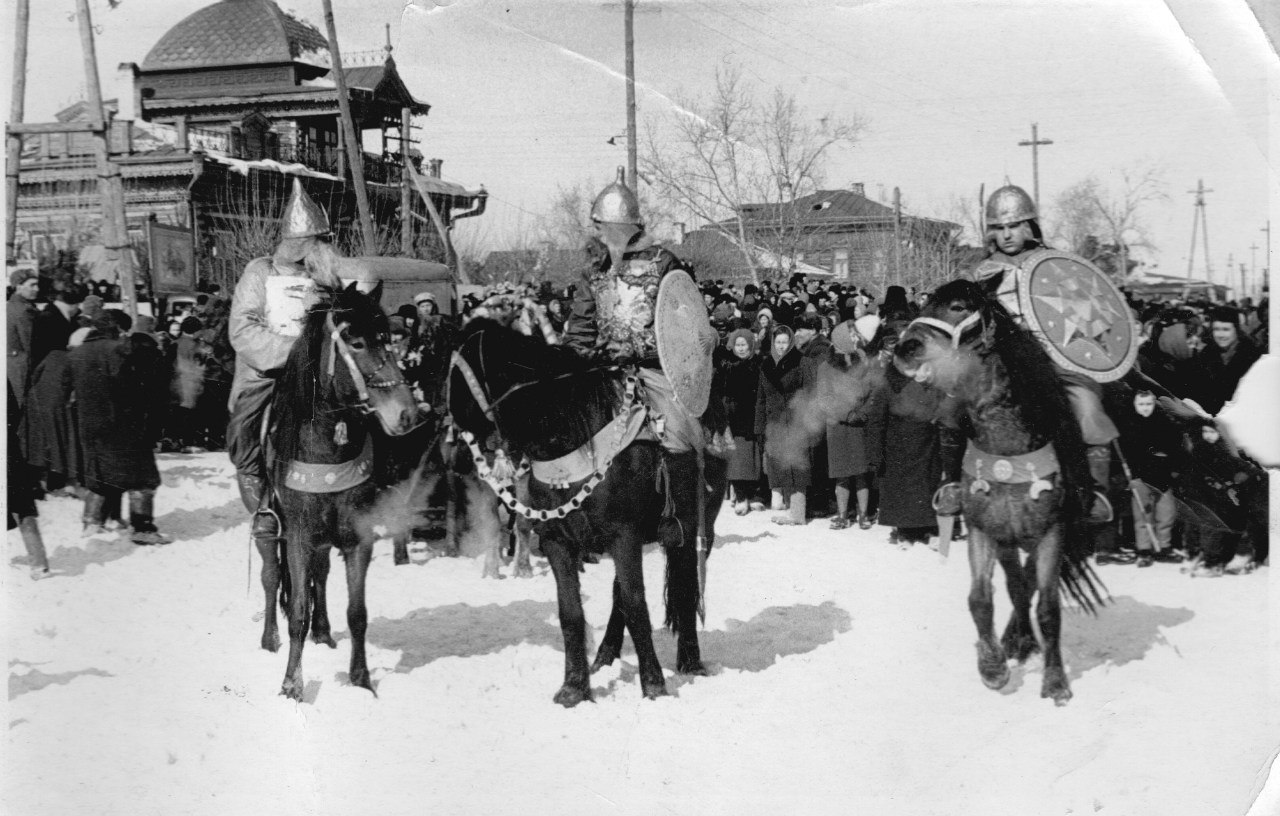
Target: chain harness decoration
{"x": 502, "y": 484}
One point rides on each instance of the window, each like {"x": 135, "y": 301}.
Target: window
{"x": 840, "y": 264}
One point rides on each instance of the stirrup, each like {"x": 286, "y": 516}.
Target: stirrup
{"x": 266, "y": 536}
{"x": 1100, "y": 512}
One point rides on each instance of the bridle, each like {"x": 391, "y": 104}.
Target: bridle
{"x": 377, "y": 380}
{"x": 956, "y": 332}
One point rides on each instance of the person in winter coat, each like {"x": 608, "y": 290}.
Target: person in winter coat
{"x": 903, "y": 438}
{"x": 21, "y": 492}
{"x": 20, "y": 319}
{"x": 120, "y": 389}
{"x": 738, "y": 374}
{"x": 845, "y": 384}
{"x": 1218, "y": 497}
{"x": 786, "y": 452}
{"x": 815, "y": 350}
{"x": 1151, "y": 444}
{"x": 1166, "y": 356}
{"x": 45, "y": 429}
{"x": 1219, "y": 366}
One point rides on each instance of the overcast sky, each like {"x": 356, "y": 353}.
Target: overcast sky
{"x": 526, "y": 94}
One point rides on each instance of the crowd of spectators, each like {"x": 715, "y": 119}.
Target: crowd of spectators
{"x": 823, "y": 424}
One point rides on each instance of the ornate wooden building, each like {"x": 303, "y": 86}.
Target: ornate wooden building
{"x": 226, "y": 109}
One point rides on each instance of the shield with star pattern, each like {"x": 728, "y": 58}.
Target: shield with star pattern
{"x": 1080, "y": 316}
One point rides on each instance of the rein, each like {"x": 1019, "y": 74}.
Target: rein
{"x": 340, "y": 349}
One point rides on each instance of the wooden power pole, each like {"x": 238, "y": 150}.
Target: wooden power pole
{"x": 1199, "y": 223}
{"x": 629, "y": 14}
{"x": 1034, "y": 144}
{"x": 13, "y": 153}
{"x": 355, "y": 148}
{"x": 115, "y": 230}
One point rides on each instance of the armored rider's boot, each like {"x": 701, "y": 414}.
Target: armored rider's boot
{"x": 1099, "y": 457}
{"x": 265, "y": 528}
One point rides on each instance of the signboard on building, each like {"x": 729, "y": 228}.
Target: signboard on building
{"x": 173, "y": 260}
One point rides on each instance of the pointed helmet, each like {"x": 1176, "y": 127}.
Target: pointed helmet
{"x": 303, "y": 217}
{"x": 616, "y": 204}
{"x": 1009, "y": 205}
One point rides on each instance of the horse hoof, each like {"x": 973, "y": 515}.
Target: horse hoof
{"x": 996, "y": 681}
{"x": 292, "y": 689}
{"x": 1055, "y": 687}
{"x": 326, "y": 639}
{"x": 570, "y": 696}
{"x": 1020, "y": 648}
{"x": 360, "y": 679}
{"x": 604, "y": 657}
{"x": 524, "y": 571}
{"x": 656, "y": 690}
{"x": 694, "y": 668}
{"x": 270, "y": 644}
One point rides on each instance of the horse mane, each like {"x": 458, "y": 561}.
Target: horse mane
{"x": 548, "y": 401}
{"x": 1033, "y": 381}
{"x": 296, "y": 396}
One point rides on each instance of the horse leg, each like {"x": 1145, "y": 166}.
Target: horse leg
{"x": 1019, "y": 639}
{"x": 982, "y": 562}
{"x": 611, "y": 643}
{"x": 299, "y": 562}
{"x": 681, "y": 549}
{"x": 1047, "y": 556}
{"x": 628, "y": 560}
{"x": 357, "y": 561}
{"x": 270, "y": 577}
{"x": 524, "y": 530}
{"x": 321, "y": 632}
{"x": 564, "y": 565}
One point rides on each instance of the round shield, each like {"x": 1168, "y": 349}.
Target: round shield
{"x": 1079, "y": 314}
{"x": 685, "y": 340}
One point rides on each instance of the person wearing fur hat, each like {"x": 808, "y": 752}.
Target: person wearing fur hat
{"x": 121, "y": 389}
{"x": 738, "y": 379}
{"x": 20, "y": 319}
{"x": 1218, "y": 367}
{"x": 267, "y": 311}
{"x": 845, "y": 383}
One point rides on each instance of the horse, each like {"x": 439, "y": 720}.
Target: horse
{"x": 1025, "y": 484}
{"x": 546, "y": 402}
{"x": 339, "y": 371}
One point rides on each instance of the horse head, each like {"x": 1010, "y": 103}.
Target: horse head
{"x": 940, "y": 346}
{"x": 357, "y": 334}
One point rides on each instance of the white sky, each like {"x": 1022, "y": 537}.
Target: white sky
{"x": 525, "y": 95}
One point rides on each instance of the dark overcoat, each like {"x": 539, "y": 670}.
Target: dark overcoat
{"x": 903, "y": 436}
{"x": 786, "y": 445}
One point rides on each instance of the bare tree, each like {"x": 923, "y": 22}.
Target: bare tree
{"x": 1109, "y": 214}
{"x": 712, "y": 157}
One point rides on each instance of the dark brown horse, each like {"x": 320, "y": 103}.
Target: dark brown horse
{"x": 338, "y": 374}
{"x": 1025, "y": 478}
{"x": 546, "y": 402}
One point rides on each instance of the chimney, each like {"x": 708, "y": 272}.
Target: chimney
{"x": 435, "y": 165}
{"x": 128, "y": 94}
{"x": 858, "y": 188}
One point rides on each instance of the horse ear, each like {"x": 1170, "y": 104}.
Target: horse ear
{"x": 354, "y": 286}
{"x": 376, "y": 294}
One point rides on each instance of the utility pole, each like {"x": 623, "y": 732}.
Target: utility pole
{"x": 897, "y": 233}
{"x": 1253, "y": 261}
{"x": 1199, "y": 222}
{"x": 115, "y": 230}
{"x": 1034, "y": 144}
{"x": 628, "y": 16}
{"x": 1266, "y": 259}
{"x": 13, "y": 153}
{"x": 355, "y": 147}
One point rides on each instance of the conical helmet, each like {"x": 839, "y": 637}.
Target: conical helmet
{"x": 1009, "y": 205}
{"x": 303, "y": 217}
{"x": 616, "y": 204}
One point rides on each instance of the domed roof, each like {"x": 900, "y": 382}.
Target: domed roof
{"x": 234, "y": 32}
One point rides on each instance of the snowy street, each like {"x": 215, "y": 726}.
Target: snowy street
{"x": 843, "y": 681}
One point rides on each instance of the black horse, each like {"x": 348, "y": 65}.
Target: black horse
{"x": 1026, "y": 481}
{"x": 338, "y": 373}
{"x": 546, "y": 402}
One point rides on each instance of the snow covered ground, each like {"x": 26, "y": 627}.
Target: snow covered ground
{"x": 843, "y": 681}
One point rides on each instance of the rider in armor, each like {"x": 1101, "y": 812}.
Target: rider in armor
{"x": 267, "y": 312}
{"x": 612, "y": 317}
{"x": 1013, "y": 233}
